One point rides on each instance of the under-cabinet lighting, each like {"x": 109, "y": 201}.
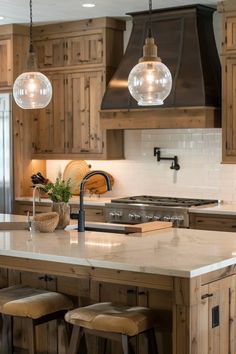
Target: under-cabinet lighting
{"x": 88, "y": 5}
{"x": 2, "y": 18}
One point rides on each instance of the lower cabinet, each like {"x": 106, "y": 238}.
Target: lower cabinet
{"x": 216, "y": 312}
{"x": 212, "y": 222}
{"x": 92, "y": 213}
{"x": 218, "y": 315}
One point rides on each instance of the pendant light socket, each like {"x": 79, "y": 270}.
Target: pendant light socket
{"x": 149, "y": 51}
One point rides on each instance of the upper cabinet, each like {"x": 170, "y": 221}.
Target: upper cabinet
{"x": 79, "y": 59}
{"x": 228, "y": 10}
{"x": 14, "y": 45}
{"x": 5, "y": 63}
{"x": 81, "y": 49}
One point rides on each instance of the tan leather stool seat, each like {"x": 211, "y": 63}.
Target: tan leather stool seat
{"x": 110, "y": 317}
{"x": 25, "y": 301}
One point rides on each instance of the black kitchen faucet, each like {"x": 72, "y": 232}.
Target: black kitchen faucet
{"x": 81, "y": 216}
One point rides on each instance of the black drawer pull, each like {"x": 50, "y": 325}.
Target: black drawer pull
{"x": 142, "y": 293}
{"x": 46, "y": 277}
{"x": 206, "y": 295}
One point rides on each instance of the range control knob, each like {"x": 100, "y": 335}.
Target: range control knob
{"x": 137, "y": 217}
{"x": 177, "y": 220}
{"x": 157, "y": 217}
{"x": 118, "y": 214}
{"x": 149, "y": 217}
{"x": 131, "y": 216}
{"x": 112, "y": 215}
{"x": 166, "y": 218}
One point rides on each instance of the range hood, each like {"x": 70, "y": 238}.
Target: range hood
{"x": 186, "y": 44}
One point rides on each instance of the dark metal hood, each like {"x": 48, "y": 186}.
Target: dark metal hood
{"x": 186, "y": 44}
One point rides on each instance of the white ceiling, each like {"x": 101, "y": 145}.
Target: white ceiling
{"x": 17, "y": 11}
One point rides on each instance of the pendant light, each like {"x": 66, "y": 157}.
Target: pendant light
{"x": 32, "y": 89}
{"x": 150, "y": 81}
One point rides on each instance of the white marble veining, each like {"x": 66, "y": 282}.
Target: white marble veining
{"x": 174, "y": 252}
{"x": 220, "y": 209}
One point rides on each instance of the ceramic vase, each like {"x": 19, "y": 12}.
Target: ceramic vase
{"x": 63, "y": 210}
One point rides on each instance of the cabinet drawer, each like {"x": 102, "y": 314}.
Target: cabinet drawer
{"x": 212, "y": 222}
{"x": 22, "y": 209}
{"x": 92, "y": 213}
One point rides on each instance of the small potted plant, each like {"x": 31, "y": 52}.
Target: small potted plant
{"x": 59, "y": 193}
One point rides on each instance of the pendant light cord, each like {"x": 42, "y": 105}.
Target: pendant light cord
{"x": 31, "y": 28}
{"x": 150, "y": 20}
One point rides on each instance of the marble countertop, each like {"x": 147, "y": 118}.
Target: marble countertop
{"x": 223, "y": 208}
{"x": 175, "y": 252}
{"x": 93, "y": 200}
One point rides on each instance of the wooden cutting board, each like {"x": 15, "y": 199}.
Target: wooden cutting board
{"x": 75, "y": 171}
{"x": 147, "y": 226}
{"x": 127, "y": 229}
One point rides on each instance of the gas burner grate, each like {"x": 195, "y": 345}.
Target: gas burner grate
{"x": 164, "y": 201}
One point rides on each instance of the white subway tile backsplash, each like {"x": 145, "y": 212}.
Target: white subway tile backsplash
{"x": 201, "y": 173}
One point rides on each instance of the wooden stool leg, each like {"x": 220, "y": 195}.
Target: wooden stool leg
{"x": 7, "y": 335}
{"x": 152, "y": 344}
{"x": 75, "y": 339}
{"x": 125, "y": 343}
{"x": 31, "y": 335}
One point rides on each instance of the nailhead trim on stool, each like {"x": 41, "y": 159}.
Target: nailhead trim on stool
{"x": 112, "y": 321}
{"x": 37, "y": 306}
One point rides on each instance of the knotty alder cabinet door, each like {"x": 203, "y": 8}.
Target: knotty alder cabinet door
{"x": 84, "y": 96}
{"x": 70, "y": 124}
{"x": 50, "y": 53}
{"x": 5, "y": 63}
{"x": 85, "y": 49}
{"x": 217, "y": 313}
{"x": 229, "y": 124}
{"x": 77, "y": 50}
{"x": 228, "y": 9}
{"x": 49, "y": 123}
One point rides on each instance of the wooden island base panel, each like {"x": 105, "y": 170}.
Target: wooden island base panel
{"x": 188, "y": 275}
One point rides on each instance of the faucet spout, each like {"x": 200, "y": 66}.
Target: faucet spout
{"x": 81, "y": 218}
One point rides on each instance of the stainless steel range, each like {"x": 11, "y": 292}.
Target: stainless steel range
{"x": 143, "y": 208}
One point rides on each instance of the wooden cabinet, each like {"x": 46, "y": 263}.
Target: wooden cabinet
{"x": 5, "y": 63}
{"x": 50, "y": 53}
{"x": 92, "y": 212}
{"x": 79, "y": 59}
{"x": 212, "y": 222}
{"x": 85, "y": 49}
{"x": 85, "y": 91}
{"x": 82, "y": 49}
{"x": 231, "y": 32}
{"x": 228, "y": 9}
{"x": 49, "y": 123}
{"x": 217, "y": 312}
{"x": 70, "y": 124}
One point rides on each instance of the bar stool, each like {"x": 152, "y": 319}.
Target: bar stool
{"x": 112, "y": 321}
{"x": 36, "y": 306}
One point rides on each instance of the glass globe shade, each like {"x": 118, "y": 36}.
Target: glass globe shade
{"x": 149, "y": 83}
{"x": 32, "y": 90}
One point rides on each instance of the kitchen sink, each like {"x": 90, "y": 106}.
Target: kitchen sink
{"x": 102, "y": 227}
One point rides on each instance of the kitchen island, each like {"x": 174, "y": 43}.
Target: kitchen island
{"x": 189, "y": 273}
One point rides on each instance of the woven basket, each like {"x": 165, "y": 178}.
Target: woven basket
{"x": 45, "y": 222}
